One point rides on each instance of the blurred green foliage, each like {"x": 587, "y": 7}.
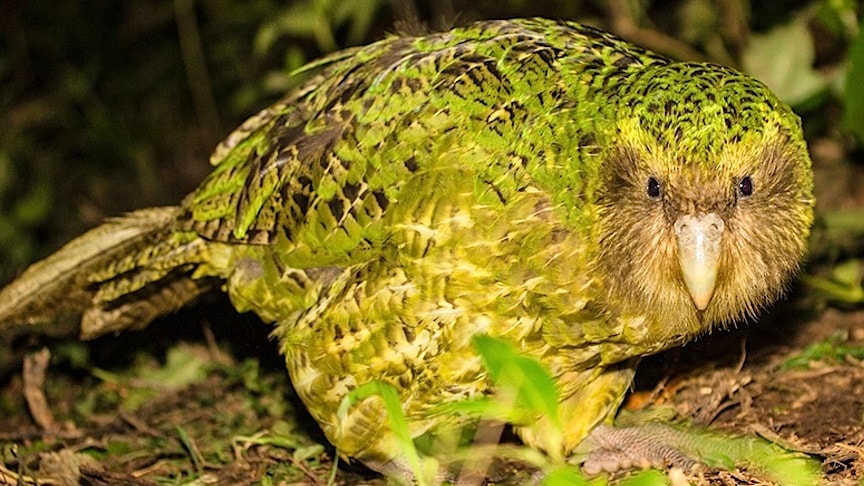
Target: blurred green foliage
{"x": 853, "y": 99}
{"x": 834, "y": 349}
{"x": 108, "y": 106}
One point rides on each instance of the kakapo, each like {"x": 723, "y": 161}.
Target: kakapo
{"x": 541, "y": 182}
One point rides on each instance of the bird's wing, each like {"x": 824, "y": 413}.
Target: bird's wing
{"x": 327, "y": 167}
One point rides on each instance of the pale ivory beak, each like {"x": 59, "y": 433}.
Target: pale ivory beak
{"x": 699, "y": 254}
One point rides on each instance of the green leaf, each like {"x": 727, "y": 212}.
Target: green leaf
{"x": 522, "y": 384}
{"x": 184, "y": 365}
{"x": 831, "y": 350}
{"x": 650, "y": 477}
{"x": 398, "y": 423}
{"x": 524, "y": 379}
{"x": 848, "y": 272}
{"x": 771, "y": 460}
{"x": 853, "y": 95}
{"x": 848, "y": 292}
{"x": 487, "y": 408}
{"x": 566, "y": 476}
{"x": 189, "y": 445}
{"x": 722, "y": 451}
{"x": 752, "y": 453}
{"x": 782, "y": 58}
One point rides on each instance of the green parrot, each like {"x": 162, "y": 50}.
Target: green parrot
{"x": 544, "y": 183}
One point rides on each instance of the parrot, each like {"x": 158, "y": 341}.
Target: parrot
{"x": 542, "y": 182}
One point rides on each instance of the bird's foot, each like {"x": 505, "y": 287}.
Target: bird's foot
{"x": 642, "y": 446}
{"x": 654, "y": 444}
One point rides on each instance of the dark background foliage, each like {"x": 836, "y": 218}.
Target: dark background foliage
{"x": 109, "y": 106}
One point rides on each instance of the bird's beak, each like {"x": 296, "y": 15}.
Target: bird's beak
{"x": 699, "y": 254}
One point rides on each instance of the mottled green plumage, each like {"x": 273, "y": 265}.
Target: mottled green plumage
{"x": 490, "y": 179}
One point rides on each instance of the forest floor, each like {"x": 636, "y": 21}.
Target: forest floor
{"x": 133, "y": 410}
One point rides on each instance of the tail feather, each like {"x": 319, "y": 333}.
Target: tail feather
{"x": 117, "y": 276}
{"x": 136, "y": 310}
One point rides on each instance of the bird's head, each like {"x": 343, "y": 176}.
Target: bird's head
{"x": 706, "y": 199}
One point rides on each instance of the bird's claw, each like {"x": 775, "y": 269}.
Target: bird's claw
{"x": 619, "y": 448}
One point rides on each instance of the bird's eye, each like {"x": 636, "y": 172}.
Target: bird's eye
{"x": 745, "y": 186}
{"x": 653, "y": 188}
